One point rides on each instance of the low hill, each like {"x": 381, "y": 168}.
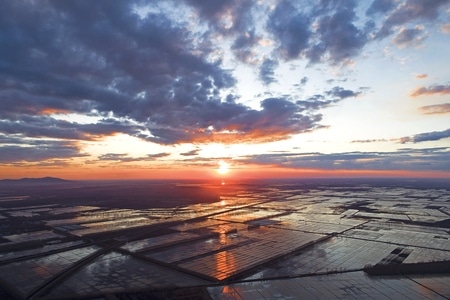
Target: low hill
{"x": 42, "y": 180}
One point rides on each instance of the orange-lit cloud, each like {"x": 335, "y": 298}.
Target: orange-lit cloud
{"x": 445, "y": 28}
{"x": 436, "y": 109}
{"x": 432, "y": 90}
{"x": 420, "y": 76}
{"x": 52, "y": 110}
{"x": 265, "y": 135}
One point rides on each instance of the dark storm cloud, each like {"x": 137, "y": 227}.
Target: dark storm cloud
{"x": 408, "y": 11}
{"x": 426, "y": 136}
{"x": 409, "y": 37}
{"x": 38, "y": 151}
{"x": 267, "y": 71}
{"x": 435, "y": 159}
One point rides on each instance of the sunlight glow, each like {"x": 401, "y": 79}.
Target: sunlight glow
{"x": 224, "y": 167}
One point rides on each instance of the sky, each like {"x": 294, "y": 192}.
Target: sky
{"x": 191, "y": 88}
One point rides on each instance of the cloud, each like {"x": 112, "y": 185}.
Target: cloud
{"x": 225, "y": 16}
{"x": 432, "y": 90}
{"x": 431, "y": 136}
{"x": 122, "y": 157}
{"x": 335, "y": 95}
{"x": 230, "y": 18}
{"x": 409, "y": 37}
{"x": 16, "y": 102}
{"x": 341, "y": 93}
{"x": 158, "y": 155}
{"x": 152, "y": 76}
{"x": 325, "y": 32}
{"x": 38, "y": 151}
{"x": 445, "y": 28}
{"x": 42, "y": 126}
{"x": 243, "y": 46}
{"x": 417, "y": 138}
{"x": 290, "y": 28}
{"x": 380, "y": 6}
{"x": 112, "y": 156}
{"x": 428, "y": 159}
{"x": 144, "y": 75}
{"x": 339, "y": 38}
{"x": 425, "y": 137}
{"x": 266, "y": 71}
{"x": 228, "y": 122}
{"x": 409, "y": 11}
{"x": 212, "y": 8}
{"x": 42, "y": 150}
{"x": 420, "y": 76}
{"x": 314, "y": 103}
{"x": 278, "y": 119}
{"x": 370, "y": 141}
{"x": 190, "y": 153}
{"x": 436, "y": 109}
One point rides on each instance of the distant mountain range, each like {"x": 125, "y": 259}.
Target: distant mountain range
{"x": 42, "y": 180}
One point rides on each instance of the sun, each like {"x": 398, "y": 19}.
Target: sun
{"x": 224, "y": 167}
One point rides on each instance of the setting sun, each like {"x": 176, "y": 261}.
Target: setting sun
{"x": 224, "y": 168}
